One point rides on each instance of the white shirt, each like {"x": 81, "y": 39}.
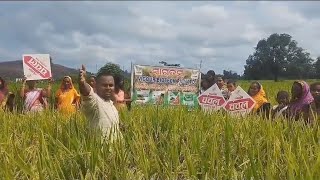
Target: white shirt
{"x": 100, "y": 113}
{"x": 279, "y": 113}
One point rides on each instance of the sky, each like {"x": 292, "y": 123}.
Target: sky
{"x": 221, "y": 34}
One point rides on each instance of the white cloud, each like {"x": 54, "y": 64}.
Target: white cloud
{"x": 251, "y": 33}
{"x": 222, "y": 34}
{"x": 207, "y": 15}
{"x": 154, "y": 27}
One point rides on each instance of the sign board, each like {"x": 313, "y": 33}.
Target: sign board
{"x": 239, "y": 103}
{"x": 165, "y": 85}
{"x": 36, "y": 66}
{"x": 212, "y": 99}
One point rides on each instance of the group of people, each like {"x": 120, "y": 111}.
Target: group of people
{"x": 103, "y": 95}
{"x": 303, "y": 104}
{"x": 101, "y": 98}
{"x": 67, "y": 98}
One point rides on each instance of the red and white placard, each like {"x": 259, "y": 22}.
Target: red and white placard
{"x": 36, "y": 66}
{"x": 212, "y": 99}
{"x": 239, "y": 103}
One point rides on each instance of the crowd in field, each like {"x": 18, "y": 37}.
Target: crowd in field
{"x": 303, "y": 104}
{"x": 103, "y": 95}
{"x": 67, "y": 97}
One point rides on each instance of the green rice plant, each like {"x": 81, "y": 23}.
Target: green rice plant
{"x": 160, "y": 143}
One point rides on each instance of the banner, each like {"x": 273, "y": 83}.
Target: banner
{"x": 165, "y": 85}
{"x": 212, "y": 99}
{"x": 36, "y": 66}
{"x": 239, "y": 103}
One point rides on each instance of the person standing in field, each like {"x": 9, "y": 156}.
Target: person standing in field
{"x": 98, "y": 107}
{"x": 119, "y": 98}
{"x": 92, "y": 82}
{"x": 315, "y": 91}
{"x": 231, "y": 86}
{"x": 204, "y": 84}
{"x": 127, "y": 98}
{"x": 10, "y": 105}
{"x": 257, "y": 92}
{"x": 211, "y": 75}
{"x": 67, "y": 97}
{"x": 222, "y": 87}
{"x": 34, "y": 98}
{"x": 301, "y": 98}
{"x": 283, "y": 101}
{"x": 314, "y": 112}
{"x": 3, "y": 93}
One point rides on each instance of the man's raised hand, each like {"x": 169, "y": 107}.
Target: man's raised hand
{"x": 82, "y": 74}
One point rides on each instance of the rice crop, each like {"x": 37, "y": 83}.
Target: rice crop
{"x": 159, "y": 143}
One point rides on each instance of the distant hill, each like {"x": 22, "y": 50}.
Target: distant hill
{"x": 14, "y": 69}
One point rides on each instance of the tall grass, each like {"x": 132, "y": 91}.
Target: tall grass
{"x": 160, "y": 143}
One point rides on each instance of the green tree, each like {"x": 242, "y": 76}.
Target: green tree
{"x": 111, "y": 68}
{"x": 230, "y": 74}
{"x": 276, "y": 56}
{"x": 117, "y": 73}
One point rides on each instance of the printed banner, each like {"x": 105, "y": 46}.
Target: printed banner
{"x": 36, "y": 66}
{"x": 239, "y": 103}
{"x": 212, "y": 99}
{"x": 165, "y": 85}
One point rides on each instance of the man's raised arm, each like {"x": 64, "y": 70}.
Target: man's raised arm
{"x": 83, "y": 85}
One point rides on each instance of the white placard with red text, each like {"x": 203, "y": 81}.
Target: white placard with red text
{"x": 212, "y": 99}
{"x": 239, "y": 103}
{"x": 36, "y": 66}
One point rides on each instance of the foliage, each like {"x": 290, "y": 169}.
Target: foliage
{"x": 112, "y": 68}
{"x": 317, "y": 67}
{"x": 230, "y": 74}
{"x": 278, "y": 55}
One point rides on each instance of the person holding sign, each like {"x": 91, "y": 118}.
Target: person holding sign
{"x": 258, "y": 94}
{"x": 98, "y": 107}
{"x": 222, "y": 87}
{"x": 231, "y": 86}
{"x": 67, "y": 97}
{"x": 34, "y": 98}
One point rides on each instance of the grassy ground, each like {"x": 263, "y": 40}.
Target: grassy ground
{"x": 160, "y": 143}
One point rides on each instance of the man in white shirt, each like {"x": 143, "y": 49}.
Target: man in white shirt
{"x": 98, "y": 106}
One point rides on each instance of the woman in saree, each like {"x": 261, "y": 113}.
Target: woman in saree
{"x": 67, "y": 97}
{"x": 34, "y": 98}
{"x": 257, "y": 92}
{"x": 301, "y": 98}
